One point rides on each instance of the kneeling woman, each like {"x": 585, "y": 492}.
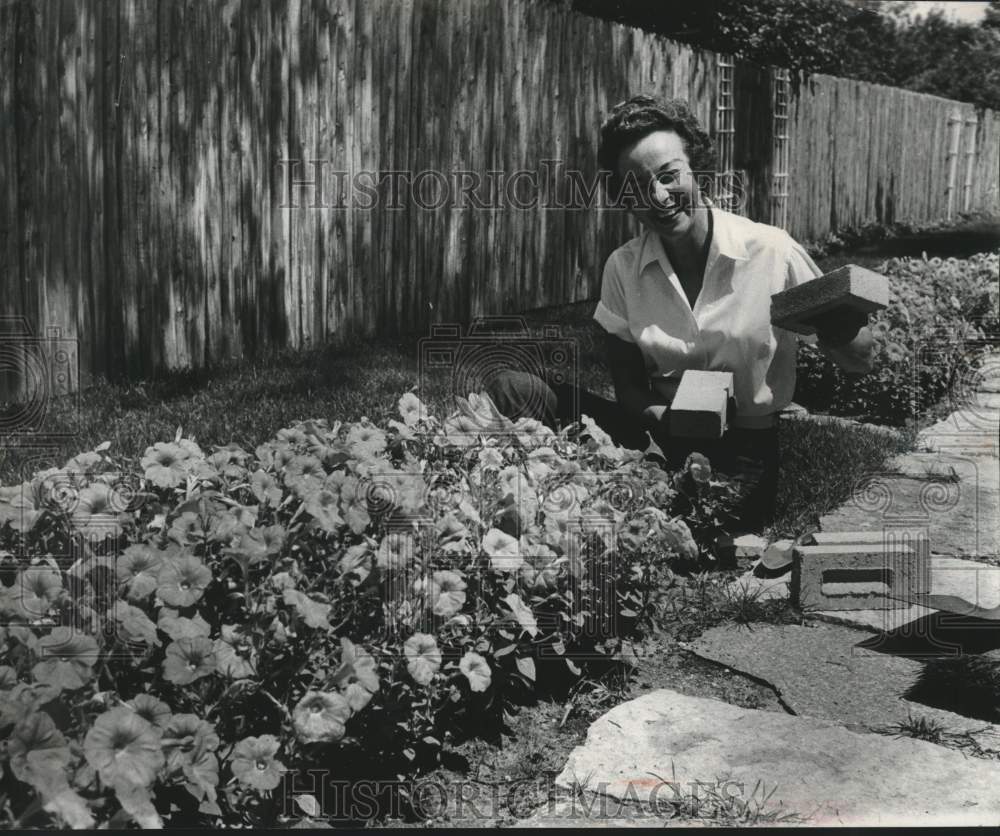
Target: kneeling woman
{"x": 692, "y": 291}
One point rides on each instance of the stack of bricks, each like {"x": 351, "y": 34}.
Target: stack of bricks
{"x": 700, "y": 407}
{"x": 861, "y": 570}
{"x": 849, "y": 286}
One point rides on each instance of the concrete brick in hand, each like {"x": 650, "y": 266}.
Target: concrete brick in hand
{"x": 699, "y": 409}
{"x": 848, "y": 286}
{"x": 883, "y": 574}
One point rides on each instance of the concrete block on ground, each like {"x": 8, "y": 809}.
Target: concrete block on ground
{"x": 849, "y": 286}
{"x": 699, "y": 409}
{"x": 886, "y": 574}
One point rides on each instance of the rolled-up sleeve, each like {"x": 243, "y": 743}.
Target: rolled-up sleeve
{"x": 611, "y": 313}
{"x": 801, "y": 269}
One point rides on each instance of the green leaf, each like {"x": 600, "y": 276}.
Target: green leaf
{"x": 209, "y": 808}
{"x": 308, "y": 804}
{"x": 314, "y": 613}
{"x": 526, "y": 667}
{"x": 525, "y": 617}
{"x": 134, "y": 623}
{"x": 137, "y": 802}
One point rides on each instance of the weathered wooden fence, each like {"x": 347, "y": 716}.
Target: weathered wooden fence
{"x": 149, "y": 151}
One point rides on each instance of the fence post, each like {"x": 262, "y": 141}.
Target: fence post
{"x": 725, "y": 131}
{"x": 779, "y": 156}
{"x": 955, "y": 128}
{"x": 970, "y": 160}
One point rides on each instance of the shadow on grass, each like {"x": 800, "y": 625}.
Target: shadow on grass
{"x": 822, "y": 464}
{"x": 247, "y": 403}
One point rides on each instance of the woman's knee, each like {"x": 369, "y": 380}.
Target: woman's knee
{"x": 520, "y": 394}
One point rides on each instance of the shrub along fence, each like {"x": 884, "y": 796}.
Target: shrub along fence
{"x": 151, "y": 213}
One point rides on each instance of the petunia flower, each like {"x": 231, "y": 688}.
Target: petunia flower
{"x": 296, "y": 436}
{"x": 531, "y": 432}
{"x": 452, "y": 534}
{"x": 133, "y": 625}
{"x": 256, "y": 545}
{"x": 324, "y": 507}
{"x": 138, "y": 567}
{"x": 254, "y": 764}
{"x": 423, "y": 657}
{"x": 265, "y": 487}
{"x": 314, "y": 613}
{"x": 124, "y": 748}
{"x": 502, "y": 549}
{"x": 565, "y": 502}
{"x": 411, "y": 409}
{"x": 304, "y": 470}
{"x": 189, "y": 744}
{"x": 444, "y": 592}
{"x": 67, "y": 659}
{"x": 37, "y": 749}
{"x": 189, "y": 659}
{"x": 679, "y": 537}
{"x": 18, "y": 507}
{"x": 699, "y": 468}
{"x": 357, "y": 677}
{"x": 354, "y": 504}
{"x": 535, "y": 553}
{"x": 396, "y": 551}
{"x": 188, "y": 527}
{"x": 357, "y": 562}
{"x": 230, "y": 648}
{"x": 8, "y": 677}
{"x": 231, "y": 452}
{"x": 320, "y": 717}
{"x": 86, "y": 464}
{"x": 186, "y": 740}
{"x": 166, "y": 464}
{"x": 153, "y": 711}
{"x": 476, "y": 670}
{"x": 490, "y": 458}
{"x": 180, "y": 627}
{"x": 58, "y": 490}
{"x": 36, "y": 589}
{"x": 182, "y": 581}
{"x": 366, "y": 441}
{"x": 99, "y": 512}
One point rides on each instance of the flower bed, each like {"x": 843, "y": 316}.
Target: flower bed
{"x": 929, "y": 341}
{"x": 184, "y": 635}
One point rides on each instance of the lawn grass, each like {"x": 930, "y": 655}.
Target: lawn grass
{"x": 247, "y": 403}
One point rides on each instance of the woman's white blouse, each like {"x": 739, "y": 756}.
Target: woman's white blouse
{"x": 729, "y": 328}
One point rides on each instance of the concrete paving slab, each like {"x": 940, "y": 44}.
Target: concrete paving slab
{"x": 823, "y": 670}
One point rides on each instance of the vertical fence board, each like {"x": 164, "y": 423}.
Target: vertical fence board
{"x": 146, "y": 148}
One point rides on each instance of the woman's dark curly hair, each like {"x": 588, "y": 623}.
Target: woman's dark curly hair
{"x": 634, "y": 118}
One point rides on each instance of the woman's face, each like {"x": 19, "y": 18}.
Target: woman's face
{"x": 658, "y": 169}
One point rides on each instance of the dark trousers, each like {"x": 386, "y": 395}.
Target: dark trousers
{"x": 742, "y": 453}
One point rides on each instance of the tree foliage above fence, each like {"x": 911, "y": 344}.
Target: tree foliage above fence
{"x": 931, "y": 54}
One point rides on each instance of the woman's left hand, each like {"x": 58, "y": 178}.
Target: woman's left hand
{"x": 837, "y": 328}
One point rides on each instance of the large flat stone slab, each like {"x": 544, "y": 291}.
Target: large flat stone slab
{"x": 827, "y": 671}
{"x": 954, "y": 497}
{"x": 971, "y": 430}
{"x": 821, "y": 771}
